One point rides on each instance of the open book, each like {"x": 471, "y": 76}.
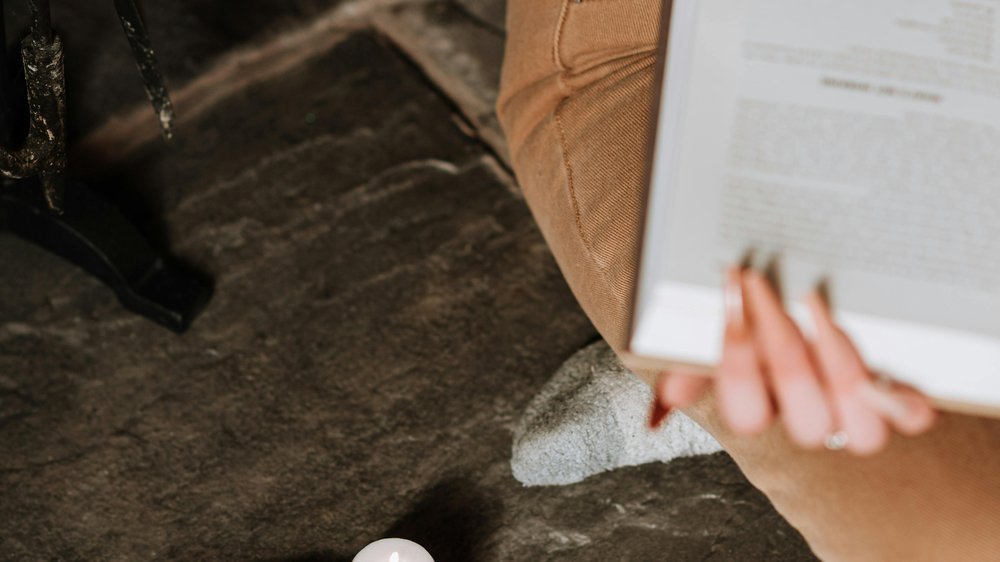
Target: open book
{"x": 851, "y": 142}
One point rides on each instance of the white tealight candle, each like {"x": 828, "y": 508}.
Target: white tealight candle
{"x": 393, "y": 550}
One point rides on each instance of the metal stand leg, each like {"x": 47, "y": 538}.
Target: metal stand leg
{"x": 76, "y": 223}
{"x": 95, "y": 236}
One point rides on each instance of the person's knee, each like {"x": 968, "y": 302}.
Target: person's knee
{"x": 575, "y": 106}
{"x": 598, "y": 37}
{"x": 557, "y": 47}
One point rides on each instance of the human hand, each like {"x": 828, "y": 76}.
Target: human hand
{"x": 820, "y": 388}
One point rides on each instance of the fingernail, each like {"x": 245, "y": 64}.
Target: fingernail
{"x": 884, "y": 401}
{"x": 658, "y": 414}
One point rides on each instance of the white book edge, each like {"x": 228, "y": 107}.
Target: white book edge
{"x": 684, "y": 323}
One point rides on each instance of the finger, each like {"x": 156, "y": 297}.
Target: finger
{"x": 905, "y": 408}
{"x": 845, "y": 373}
{"x": 744, "y": 402}
{"x": 801, "y": 400}
{"x": 909, "y": 412}
{"x": 682, "y": 388}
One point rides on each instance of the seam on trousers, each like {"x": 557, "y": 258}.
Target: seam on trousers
{"x": 557, "y": 38}
{"x": 574, "y": 203}
{"x": 636, "y": 65}
{"x": 557, "y": 47}
{"x": 564, "y": 152}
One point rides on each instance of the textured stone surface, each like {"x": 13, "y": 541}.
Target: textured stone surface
{"x": 385, "y": 310}
{"x": 490, "y": 14}
{"x": 458, "y": 43}
{"x": 692, "y": 509}
{"x": 461, "y": 55}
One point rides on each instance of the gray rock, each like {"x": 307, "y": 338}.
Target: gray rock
{"x": 591, "y": 418}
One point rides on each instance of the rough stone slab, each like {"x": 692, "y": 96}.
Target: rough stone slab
{"x": 697, "y": 508}
{"x": 461, "y": 54}
{"x": 489, "y": 13}
{"x": 385, "y": 310}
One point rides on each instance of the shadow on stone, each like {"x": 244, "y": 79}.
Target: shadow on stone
{"x": 452, "y": 521}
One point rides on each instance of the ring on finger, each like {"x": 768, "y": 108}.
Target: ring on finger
{"x": 836, "y": 441}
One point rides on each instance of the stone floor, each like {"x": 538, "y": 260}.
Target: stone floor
{"x": 384, "y": 310}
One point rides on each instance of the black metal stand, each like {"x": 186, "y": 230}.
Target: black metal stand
{"x": 67, "y": 218}
{"x": 93, "y": 235}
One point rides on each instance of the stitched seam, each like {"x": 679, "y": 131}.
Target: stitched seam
{"x": 567, "y": 89}
{"x": 575, "y": 205}
{"x": 557, "y": 42}
{"x": 564, "y": 152}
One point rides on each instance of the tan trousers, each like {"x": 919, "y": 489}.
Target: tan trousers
{"x": 575, "y": 102}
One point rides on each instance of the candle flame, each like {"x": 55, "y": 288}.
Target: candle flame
{"x": 394, "y": 557}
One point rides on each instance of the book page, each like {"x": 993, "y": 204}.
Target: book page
{"x": 854, "y": 141}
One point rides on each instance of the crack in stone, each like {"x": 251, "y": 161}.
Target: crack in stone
{"x": 307, "y": 228}
{"x": 477, "y": 20}
{"x": 124, "y": 430}
{"x": 68, "y": 459}
{"x": 453, "y": 105}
